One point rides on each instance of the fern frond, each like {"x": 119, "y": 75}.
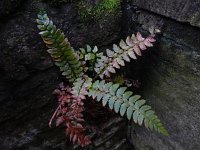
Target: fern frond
{"x": 59, "y": 48}
{"x": 126, "y": 50}
{"x": 89, "y": 56}
{"x": 70, "y": 113}
{"x": 124, "y": 102}
{"x": 81, "y": 86}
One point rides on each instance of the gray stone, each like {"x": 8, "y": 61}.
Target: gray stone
{"x": 171, "y": 83}
{"x": 181, "y": 10}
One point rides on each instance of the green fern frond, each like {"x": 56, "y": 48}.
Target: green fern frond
{"x": 122, "y": 53}
{"x": 81, "y": 86}
{"x": 124, "y": 102}
{"x": 59, "y": 48}
{"x": 90, "y": 56}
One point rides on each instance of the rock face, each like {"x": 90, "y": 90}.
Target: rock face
{"x": 181, "y": 10}
{"x": 8, "y": 6}
{"x": 28, "y": 77}
{"x": 169, "y": 74}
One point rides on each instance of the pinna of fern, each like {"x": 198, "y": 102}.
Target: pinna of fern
{"x": 74, "y": 66}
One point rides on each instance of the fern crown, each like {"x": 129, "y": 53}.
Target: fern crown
{"x": 87, "y": 70}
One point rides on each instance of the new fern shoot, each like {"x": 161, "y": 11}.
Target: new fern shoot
{"x": 87, "y": 71}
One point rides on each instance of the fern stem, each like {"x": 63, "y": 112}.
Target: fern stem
{"x": 54, "y": 115}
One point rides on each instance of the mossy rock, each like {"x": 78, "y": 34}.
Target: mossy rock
{"x": 96, "y": 10}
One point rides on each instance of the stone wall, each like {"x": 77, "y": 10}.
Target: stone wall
{"x": 169, "y": 74}
{"x": 28, "y": 76}
{"x": 180, "y": 10}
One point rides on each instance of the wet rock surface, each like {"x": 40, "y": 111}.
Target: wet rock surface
{"x": 169, "y": 74}
{"x": 181, "y": 10}
{"x": 170, "y": 81}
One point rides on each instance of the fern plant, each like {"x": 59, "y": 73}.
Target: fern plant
{"x": 87, "y": 71}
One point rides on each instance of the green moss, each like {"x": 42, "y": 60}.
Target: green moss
{"x": 88, "y": 12}
{"x": 109, "y": 6}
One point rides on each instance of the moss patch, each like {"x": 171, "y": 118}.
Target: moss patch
{"x": 95, "y": 11}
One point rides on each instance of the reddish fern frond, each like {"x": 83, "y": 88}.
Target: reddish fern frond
{"x": 69, "y": 113}
{"x": 75, "y": 133}
{"x": 126, "y": 50}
